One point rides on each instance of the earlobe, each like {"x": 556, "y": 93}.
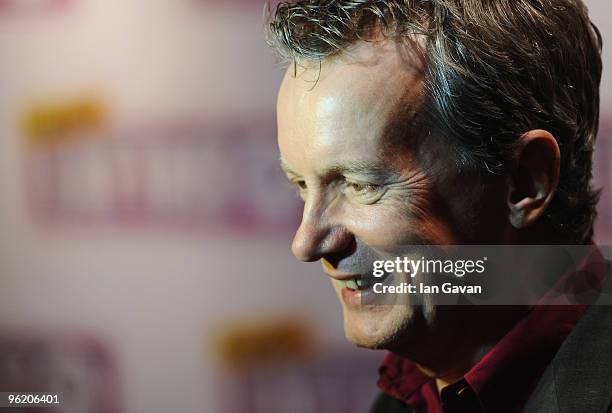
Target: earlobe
{"x": 517, "y": 217}
{"x": 534, "y": 178}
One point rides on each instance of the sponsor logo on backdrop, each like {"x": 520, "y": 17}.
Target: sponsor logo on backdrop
{"x": 186, "y": 174}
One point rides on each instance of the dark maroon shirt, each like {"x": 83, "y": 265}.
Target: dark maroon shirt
{"x": 502, "y": 380}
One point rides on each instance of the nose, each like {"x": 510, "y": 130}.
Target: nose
{"x": 318, "y": 236}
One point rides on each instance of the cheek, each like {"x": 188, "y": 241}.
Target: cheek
{"x": 474, "y": 210}
{"x": 400, "y": 222}
{"x": 379, "y": 226}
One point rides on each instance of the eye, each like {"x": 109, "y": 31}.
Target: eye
{"x": 364, "y": 192}
{"x": 359, "y": 187}
{"x": 301, "y": 187}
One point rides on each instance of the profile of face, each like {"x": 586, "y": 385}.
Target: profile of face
{"x": 372, "y": 178}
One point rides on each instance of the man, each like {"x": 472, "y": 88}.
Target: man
{"x": 449, "y": 122}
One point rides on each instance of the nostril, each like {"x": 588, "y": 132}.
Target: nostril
{"x": 339, "y": 245}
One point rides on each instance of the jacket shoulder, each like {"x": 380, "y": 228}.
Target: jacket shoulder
{"x": 579, "y": 378}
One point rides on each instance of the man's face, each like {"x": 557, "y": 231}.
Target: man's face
{"x": 371, "y": 179}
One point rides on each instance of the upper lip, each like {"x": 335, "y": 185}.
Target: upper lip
{"x": 331, "y": 271}
{"x": 343, "y": 277}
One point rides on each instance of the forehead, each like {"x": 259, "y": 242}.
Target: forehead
{"x": 343, "y": 109}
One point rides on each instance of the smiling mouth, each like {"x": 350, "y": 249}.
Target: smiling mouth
{"x": 363, "y": 283}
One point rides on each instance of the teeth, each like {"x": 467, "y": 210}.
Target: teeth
{"x": 351, "y": 284}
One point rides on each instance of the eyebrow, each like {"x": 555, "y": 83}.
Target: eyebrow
{"x": 360, "y": 168}
{"x": 350, "y": 168}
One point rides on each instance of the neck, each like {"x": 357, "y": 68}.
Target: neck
{"x": 457, "y": 340}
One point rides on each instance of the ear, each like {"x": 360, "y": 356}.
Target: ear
{"x": 534, "y": 178}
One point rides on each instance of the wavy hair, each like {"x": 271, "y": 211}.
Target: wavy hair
{"x": 495, "y": 69}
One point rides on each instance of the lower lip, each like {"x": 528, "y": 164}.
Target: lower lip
{"x": 356, "y": 298}
{"x": 351, "y": 298}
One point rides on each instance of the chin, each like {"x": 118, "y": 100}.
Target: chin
{"x": 377, "y": 327}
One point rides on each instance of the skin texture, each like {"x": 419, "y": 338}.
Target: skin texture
{"x": 372, "y": 178}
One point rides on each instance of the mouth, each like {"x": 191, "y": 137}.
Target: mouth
{"x": 359, "y": 290}
{"x": 358, "y": 284}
